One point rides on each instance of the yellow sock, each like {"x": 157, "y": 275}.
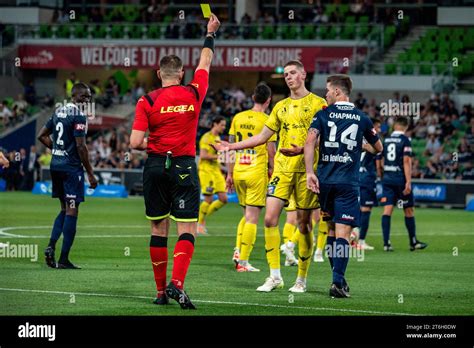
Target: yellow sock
{"x": 249, "y": 236}
{"x": 203, "y": 211}
{"x": 288, "y": 231}
{"x": 272, "y": 246}
{"x": 322, "y": 234}
{"x": 215, "y": 206}
{"x": 305, "y": 249}
{"x": 296, "y": 236}
{"x": 240, "y": 230}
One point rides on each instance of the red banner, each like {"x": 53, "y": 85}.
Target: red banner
{"x": 104, "y": 122}
{"x": 243, "y": 58}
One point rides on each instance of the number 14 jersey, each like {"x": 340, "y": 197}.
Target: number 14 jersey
{"x": 342, "y": 127}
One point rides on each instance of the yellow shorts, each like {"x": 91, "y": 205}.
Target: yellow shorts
{"x": 212, "y": 181}
{"x": 283, "y": 185}
{"x": 291, "y": 204}
{"x": 252, "y": 191}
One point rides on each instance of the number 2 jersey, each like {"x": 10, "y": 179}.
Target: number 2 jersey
{"x": 342, "y": 128}
{"x": 396, "y": 146}
{"x": 250, "y": 162}
{"x": 67, "y": 123}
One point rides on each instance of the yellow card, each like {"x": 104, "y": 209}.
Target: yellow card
{"x": 206, "y": 10}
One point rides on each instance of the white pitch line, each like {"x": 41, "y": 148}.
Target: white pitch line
{"x": 4, "y": 234}
{"x": 215, "y": 302}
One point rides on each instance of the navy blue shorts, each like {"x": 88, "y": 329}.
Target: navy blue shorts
{"x": 393, "y": 195}
{"x": 368, "y": 196}
{"x": 68, "y": 186}
{"x": 340, "y": 203}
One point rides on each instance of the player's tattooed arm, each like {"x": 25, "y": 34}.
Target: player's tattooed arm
{"x": 309, "y": 146}
{"x": 84, "y": 155}
{"x": 43, "y": 137}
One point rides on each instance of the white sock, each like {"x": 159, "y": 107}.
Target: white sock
{"x": 243, "y": 262}
{"x": 275, "y": 273}
{"x": 301, "y": 280}
{"x": 290, "y": 244}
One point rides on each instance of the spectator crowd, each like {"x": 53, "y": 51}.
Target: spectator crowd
{"x": 442, "y": 138}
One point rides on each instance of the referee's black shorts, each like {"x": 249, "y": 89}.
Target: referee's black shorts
{"x": 172, "y": 192}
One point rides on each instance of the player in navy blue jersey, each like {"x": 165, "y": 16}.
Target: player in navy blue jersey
{"x": 65, "y": 134}
{"x": 368, "y": 198}
{"x": 396, "y": 183}
{"x": 340, "y": 128}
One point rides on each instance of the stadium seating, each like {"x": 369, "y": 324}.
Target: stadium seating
{"x": 434, "y": 53}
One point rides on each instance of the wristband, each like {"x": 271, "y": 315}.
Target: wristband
{"x": 209, "y": 43}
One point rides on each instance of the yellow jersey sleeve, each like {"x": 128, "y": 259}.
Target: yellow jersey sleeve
{"x": 205, "y": 143}
{"x": 232, "y": 126}
{"x": 273, "y": 122}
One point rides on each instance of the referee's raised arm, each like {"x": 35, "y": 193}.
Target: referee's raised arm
{"x": 208, "y": 49}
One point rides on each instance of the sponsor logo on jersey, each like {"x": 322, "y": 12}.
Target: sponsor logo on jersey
{"x": 176, "y": 108}
{"x": 80, "y": 126}
{"x": 57, "y": 152}
{"x": 271, "y": 190}
{"x": 347, "y": 217}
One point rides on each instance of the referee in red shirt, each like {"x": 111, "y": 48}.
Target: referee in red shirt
{"x": 170, "y": 179}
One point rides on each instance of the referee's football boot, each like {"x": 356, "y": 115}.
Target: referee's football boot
{"x": 418, "y": 246}
{"x": 161, "y": 299}
{"x": 338, "y": 292}
{"x": 179, "y": 296}
{"x": 49, "y": 257}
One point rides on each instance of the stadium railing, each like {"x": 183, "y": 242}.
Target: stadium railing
{"x": 297, "y": 31}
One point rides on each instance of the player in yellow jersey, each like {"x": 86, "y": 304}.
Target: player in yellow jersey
{"x": 210, "y": 176}
{"x": 290, "y": 234}
{"x": 248, "y": 173}
{"x": 290, "y": 118}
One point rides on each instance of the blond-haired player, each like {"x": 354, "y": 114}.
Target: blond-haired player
{"x": 249, "y": 172}
{"x": 290, "y": 118}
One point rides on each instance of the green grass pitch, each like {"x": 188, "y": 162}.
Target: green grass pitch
{"x": 112, "y": 247}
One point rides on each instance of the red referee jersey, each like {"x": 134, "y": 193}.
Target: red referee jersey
{"x": 171, "y": 114}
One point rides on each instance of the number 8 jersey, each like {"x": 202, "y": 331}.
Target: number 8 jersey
{"x": 67, "y": 123}
{"x": 342, "y": 127}
{"x": 396, "y": 146}
{"x": 250, "y": 162}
